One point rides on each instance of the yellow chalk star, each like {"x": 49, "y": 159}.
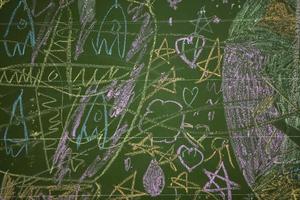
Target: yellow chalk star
{"x": 206, "y": 72}
{"x": 164, "y": 51}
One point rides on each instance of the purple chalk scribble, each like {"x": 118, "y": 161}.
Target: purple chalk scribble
{"x": 62, "y": 158}
{"x": 127, "y": 164}
{"x": 230, "y": 185}
{"x": 154, "y": 179}
{"x": 256, "y": 147}
{"x": 123, "y": 92}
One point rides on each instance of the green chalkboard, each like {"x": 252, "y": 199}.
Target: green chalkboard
{"x": 149, "y": 99}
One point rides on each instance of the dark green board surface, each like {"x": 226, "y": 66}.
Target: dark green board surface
{"x": 156, "y": 99}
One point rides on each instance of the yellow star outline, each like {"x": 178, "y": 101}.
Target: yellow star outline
{"x": 144, "y": 146}
{"x": 168, "y": 157}
{"x": 164, "y": 51}
{"x": 167, "y": 83}
{"x": 206, "y": 73}
{"x": 182, "y": 182}
{"x": 122, "y": 192}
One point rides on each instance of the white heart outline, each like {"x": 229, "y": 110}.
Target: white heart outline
{"x": 197, "y": 52}
{"x": 191, "y": 149}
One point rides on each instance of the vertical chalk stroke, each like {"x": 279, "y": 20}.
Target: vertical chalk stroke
{"x": 86, "y": 9}
{"x": 148, "y": 99}
{"x": 139, "y": 45}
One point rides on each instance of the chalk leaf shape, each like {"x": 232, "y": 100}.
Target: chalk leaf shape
{"x": 112, "y": 32}
{"x": 193, "y": 43}
{"x": 197, "y": 154}
{"x": 154, "y": 179}
{"x": 20, "y": 24}
{"x": 189, "y": 96}
{"x": 16, "y": 134}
